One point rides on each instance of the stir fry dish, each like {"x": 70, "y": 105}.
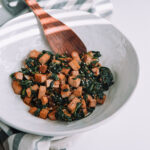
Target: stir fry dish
{"x": 61, "y": 87}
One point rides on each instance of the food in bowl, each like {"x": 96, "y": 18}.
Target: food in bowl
{"x": 61, "y": 87}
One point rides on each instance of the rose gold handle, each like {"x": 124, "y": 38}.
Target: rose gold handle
{"x": 44, "y": 18}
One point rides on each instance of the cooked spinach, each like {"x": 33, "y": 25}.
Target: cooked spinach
{"x": 78, "y": 114}
{"x": 51, "y": 85}
{"x": 106, "y": 77}
{"x": 61, "y": 116}
{"x": 12, "y": 76}
{"x": 37, "y": 112}
{"x": 72, "y": 101}
{"x": 25, "y": 71}
{"x": 65, "y": 90}
{"x": 55, "y": 68}
{"x": 23, "y": 93}
{"x": 77, "y": 109}
{"x": 57, "y": 98}
{"x": 32, "y": 64}
{"x": 26, "y": 83}
{"x": 54, "y": 76}
{"x": 96, "y": 55}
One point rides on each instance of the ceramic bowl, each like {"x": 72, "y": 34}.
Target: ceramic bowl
{"x": 23, "y": 34}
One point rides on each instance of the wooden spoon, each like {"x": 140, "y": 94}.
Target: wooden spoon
{"x": 60, "y": 37}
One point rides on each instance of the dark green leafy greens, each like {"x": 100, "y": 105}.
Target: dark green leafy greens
{"x": 106, "y": 77}
{"x": 61, "y": 116}
{"x": 93, "y": 85}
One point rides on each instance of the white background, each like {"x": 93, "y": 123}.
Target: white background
{"x": 129, "y": 129}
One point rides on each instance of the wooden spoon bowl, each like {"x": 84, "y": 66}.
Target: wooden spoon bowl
{"x": 60, "y": 37}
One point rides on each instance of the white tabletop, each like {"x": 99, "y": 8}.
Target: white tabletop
{"x": 129, "y": 129}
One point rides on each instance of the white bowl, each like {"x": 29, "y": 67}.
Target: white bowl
{"x": 23, "y": 34}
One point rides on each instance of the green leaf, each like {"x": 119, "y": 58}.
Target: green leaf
{"x": 25, "y": 71}
{"x": 61, "y": 116}
{"x": 65, "y": 90}
{"x": 37, "y": 112}
{"x": 26, "y": 83}
{"x": 54, "y": 76}
{"x": 77, "y": 108}
{"x": 96, "y": 54}
{"x": 51, "y": 85}
{"x": 12, "y": 76}
{"x": 23, "y": 93}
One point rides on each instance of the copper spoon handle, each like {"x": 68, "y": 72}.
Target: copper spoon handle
{"x": 45, "y": 19}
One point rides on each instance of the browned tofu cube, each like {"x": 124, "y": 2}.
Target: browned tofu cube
{"x": 66, "y": 112}
{"x": 62, "y": 78}
{"x": 72, "y": 96}
{"x": 65, "y": 86}
{"x": 85, "y": 111}
{"x": 40, "y": 77}
{"x": 83, "y": 103}
{"x": 87, "y": 59}
{"x": 74, "y": 65}
{"x": 92, "y": 102}
{"x": 75, "y": 55}
{"x": 16, "y": 87}
{"x": 84, "y": 107}
{"x": 95, "y": 71}
{"x": 78, "y": 92}
{"x": 34, "y": 54}
{"x": 65, "y": 71}
{"x": 74, "y": 82}
{"x": 44, "y": 100}
{"x": 32, "y": 110}
{"x": 43, "y": 68}
{"x": 48, "y": 82}
{"x": 42, "y": 91}
{"x": 72, "y": 105}
{"x": 18, "y": 75}
{"x": 44, "y": 58}
{"x": 27, "y": 100}
{"x": 65, "y": 94}
{"x": 35, "y": 87}
{"x": 28, "y": 91}
{"x": 65, "y": 90}
{"x": 56, "y": 84}
{"x": 89, "y": 98}
{"x": 43, "y": 113}
{"x": 75, "y": 73}
{"x": 49, "y": 75}
{"x": 56, "y": 61}
{"x": 101, "y": 101}
{"x": 51, "y": 115}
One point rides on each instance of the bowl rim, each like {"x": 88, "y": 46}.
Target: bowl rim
{"x": 82, "y": 129}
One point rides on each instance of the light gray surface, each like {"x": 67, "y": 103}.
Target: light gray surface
{"x": 130, "y": 128}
